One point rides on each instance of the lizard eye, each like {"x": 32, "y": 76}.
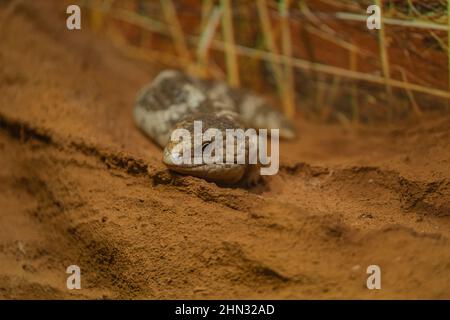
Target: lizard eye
{"x": 204, "y": 146}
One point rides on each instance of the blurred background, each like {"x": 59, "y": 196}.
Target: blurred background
{"x": 317, "y": 58}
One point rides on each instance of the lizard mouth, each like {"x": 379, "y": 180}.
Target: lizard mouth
{"x": 183, "y": 167}
{"x": 175, "y": 161}
{"x": 225, "y": 173}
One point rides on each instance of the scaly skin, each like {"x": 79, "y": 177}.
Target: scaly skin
{"x": 174, "y": 101}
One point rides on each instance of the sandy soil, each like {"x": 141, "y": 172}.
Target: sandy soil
{"x": 81, "y": 185}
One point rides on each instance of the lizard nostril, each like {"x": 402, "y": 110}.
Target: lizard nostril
{"x": 204, "y": 147}
{"x": 172, "y": 158}
{"x": 175, "y": 158}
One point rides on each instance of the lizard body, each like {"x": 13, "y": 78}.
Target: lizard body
{"x": 174, "y": 101}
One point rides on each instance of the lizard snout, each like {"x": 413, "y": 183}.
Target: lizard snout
{"x": 172, "y": 158}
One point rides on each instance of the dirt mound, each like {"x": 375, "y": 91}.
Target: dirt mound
{"x": 81, "y": 185}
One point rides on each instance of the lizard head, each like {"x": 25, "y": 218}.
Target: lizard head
{"x": 191, "y": 128}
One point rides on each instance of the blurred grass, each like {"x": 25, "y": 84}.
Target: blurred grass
{"x": 316, "y": 55}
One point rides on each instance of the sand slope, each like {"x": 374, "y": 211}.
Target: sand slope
{"x": 81, "y": 185}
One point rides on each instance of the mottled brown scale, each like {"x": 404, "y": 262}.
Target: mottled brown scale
{"x": 174, "y": 100}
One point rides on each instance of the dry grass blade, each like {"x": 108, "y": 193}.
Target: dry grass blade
{"x": 354, "y": 88}
{"x": 206, "y": 37}
{"x": 176, "y": 30}
{"x": 283, "y": 60}
{"x": 332, "y": 70}
{"x": 230, "y": 48}
{"x": 289, "y": 100}
{"x": 448, "y": 46}
{"x": 410, "y": 95}
{"x": 207, "y": 8}
{"x": 269, "y": 41}
{"x": 384, "y": 57}
{"x": 410, "y": 23}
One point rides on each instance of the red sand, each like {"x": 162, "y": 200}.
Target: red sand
{"x": 81, "y": 185}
